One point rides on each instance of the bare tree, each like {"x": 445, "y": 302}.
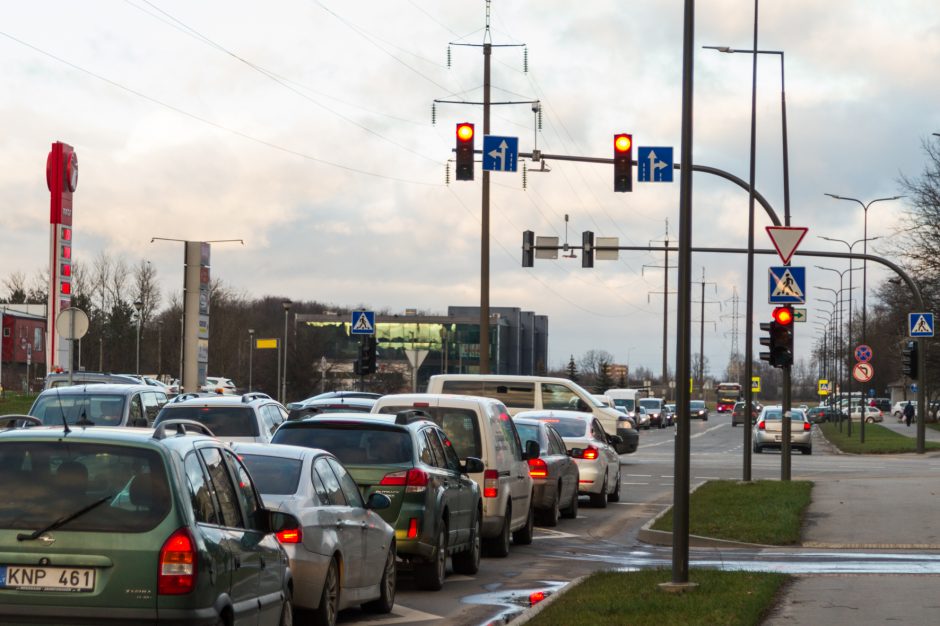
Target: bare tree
{"x": 15, "y": 285}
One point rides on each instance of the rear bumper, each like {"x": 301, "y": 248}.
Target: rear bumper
{"x": 11, "y": 614}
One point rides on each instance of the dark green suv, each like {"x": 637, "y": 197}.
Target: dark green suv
{"x": 436, "y": 509}
{"x": 125, "y": 525}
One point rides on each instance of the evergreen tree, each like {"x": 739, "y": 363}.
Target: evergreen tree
{"x": 572, "y": 370}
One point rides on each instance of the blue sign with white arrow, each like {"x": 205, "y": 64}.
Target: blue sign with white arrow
{"x": 787, "y": 285}
{"x": 654, "y": 164}
{"x": 500, "y": 154}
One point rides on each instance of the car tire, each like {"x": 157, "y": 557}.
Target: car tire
{"x": 523, "y": 536}
{"x": 499, "y": 546}
{"x": 549, "y": 517}
{"x": 615, "y": 496}
{"x": 807, "y": 450}
{"x": 429, "y": 575}
{"x": 386, "y": 600}
{"x": 599, "y": 500}
{"x": 869, "y": 420}
{"x": 733, "y": 423}
{"x": 757, "y": 449}
{"x": 287, "y": 610}
{"x": 325, "y": 614}
{"x": 468, "y": 561}
{"x": 571, "y": 511}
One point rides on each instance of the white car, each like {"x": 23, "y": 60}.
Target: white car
{"x": 217, "y": 384}
{"x": 251, "y": 418}
{"x": 872, "y": 414}
{"x": 898, "y": 409}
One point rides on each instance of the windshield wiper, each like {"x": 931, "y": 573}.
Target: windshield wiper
{"x": 63, "y": 520}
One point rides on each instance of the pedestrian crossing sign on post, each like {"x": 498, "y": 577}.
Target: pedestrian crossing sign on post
{"x": 755, "y": 384}
{"x": 920, "y": 324}
{"x": 787, "y": 285}
{"x": 363, "y": 323}
{"x": 823, "y": 388}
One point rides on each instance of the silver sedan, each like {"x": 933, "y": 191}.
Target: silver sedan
{"x": 343, "y": 554}
{"x": 768, "y": 431}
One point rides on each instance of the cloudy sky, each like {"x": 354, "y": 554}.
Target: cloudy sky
{"x": 304, "y": 128}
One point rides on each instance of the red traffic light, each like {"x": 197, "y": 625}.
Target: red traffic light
{"x": 623, "y": 142}
{"x": 465, "y": 132}
{"x": 783, "y": 315}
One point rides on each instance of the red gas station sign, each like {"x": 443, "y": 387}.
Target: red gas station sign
{"x": 62, "y": 180}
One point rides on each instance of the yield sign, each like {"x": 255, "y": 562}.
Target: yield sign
{"x": 786, "y": 239}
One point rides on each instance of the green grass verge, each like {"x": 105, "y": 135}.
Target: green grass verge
{"x": 763, "y": 511}
{"x": 16, "y": 403}
{"x": 878, "y": 440}
{"x": 613, "y": 598}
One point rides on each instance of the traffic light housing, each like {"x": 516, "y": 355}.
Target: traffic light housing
{"x": 779, "y": 339}
{"x": 623, "y": 162}
{"x": 587, "y": 249}
{"x": 465, "y": 136}
{"x": 909, "y": 359}
{"x": 366, "y": 362}
{"x": 528, "y": 248}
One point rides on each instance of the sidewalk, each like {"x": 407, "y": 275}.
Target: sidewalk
{"x": 868, "y": 514}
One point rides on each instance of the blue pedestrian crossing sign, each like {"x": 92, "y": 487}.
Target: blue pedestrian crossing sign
{"x": 920, "y": 324}
{"x": 500, "y": 154}
{"x": 363, "y": 323}
{"x": 654, "y": 165}
{"x": 787, "y": 285}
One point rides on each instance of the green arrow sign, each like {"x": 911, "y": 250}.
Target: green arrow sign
{"x": 799, "y": 315}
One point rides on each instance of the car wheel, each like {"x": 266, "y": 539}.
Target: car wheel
{"x": 615, "y": 496}
{"x": 807, "y": 450}
{"x": 430, "y": 574}
{"x": 571, "y": 511}
{"x": 287, "y": 610}
{"x": 733, "y": 423}
{"x": 468, "y": 561}
{"x": 523, "y": 536}
{"x": 599, "y": 500}
{"x": 870, "y": 420}
{"x": 550, "y": 516}
{"x": 386, "y": 600}
{"x": 499, "y": 546}
{"x": 757, "y": 449}
{"x": 325, "y": 614}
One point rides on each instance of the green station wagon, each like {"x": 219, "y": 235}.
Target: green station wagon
{"x": 113, "y": 525}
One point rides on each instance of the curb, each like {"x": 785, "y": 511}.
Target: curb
{"x": 532, "y": 611}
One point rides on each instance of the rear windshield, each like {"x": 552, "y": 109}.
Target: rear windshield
{"x": 648, "y": 403}
{"x": 223, "y": 421}
{"x": 696, "y": 404}
{"x": 273, "y": 475}
{"x": 566, "y": 426}
{"x": 46, "y": 481}
{"x": 774, "y": 414}
{"x": 515, "y": 395}
{"x": 91, "y": 409}
{"x": 352, "y": 444}
{"x": 460, "y": 426}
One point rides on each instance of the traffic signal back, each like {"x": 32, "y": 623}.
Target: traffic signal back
{"x": 909, "y": 363}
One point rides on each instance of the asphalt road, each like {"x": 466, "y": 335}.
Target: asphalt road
{"x": 606, "y": 538}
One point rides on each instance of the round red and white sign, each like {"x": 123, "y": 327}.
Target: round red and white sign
{"x": 862, "y": 372}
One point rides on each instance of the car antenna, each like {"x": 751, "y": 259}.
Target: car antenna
{"x": 65, "y": 424}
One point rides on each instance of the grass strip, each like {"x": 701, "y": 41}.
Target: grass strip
{"x": 730, "y": 598}
{"x": 16, "y": 403}
{"x": 878, "y": 440}
{"x": 764, "y": 511}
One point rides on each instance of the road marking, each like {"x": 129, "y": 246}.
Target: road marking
{"x": 641, "y": 475}
{"x": 625, "y": 483}
{"x": 552, "y": 534}
{"x": 708, "y": 477}
{"x": 402, "y": 615}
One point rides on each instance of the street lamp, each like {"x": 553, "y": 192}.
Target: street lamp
{"x": 848, "y": 378}
{"x": 251, "y": 350}
{"x": 783, "y": 124}
{"x": 138, "y": 305}
{"x": 865, "y": 252}
{"x": 286, "y": 304}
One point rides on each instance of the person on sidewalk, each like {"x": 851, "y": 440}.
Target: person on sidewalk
{"x": 908, "y": 413}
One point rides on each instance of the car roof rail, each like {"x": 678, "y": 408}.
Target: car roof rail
{"x": 9, "y": 422}
{"x": 255, "y": 395}
{"x": 181, "y": 426}
{"x": 403, "y": 418}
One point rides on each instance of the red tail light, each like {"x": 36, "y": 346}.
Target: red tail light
{"x": 413, "y": 528}
{"x": 590, "y": 453}
{"x": 807, "y": 426}
{"x": 290, "y": 535}
{"x": 536, "y": 597}
{"x": 760, "y": 425}
{"x": 538, "y": 468}
{"x": 177, "y": 565}
{"x": 490, "y": 483}
{"x": 413, "y": 480}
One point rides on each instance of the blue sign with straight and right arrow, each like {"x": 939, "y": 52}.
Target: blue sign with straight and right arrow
{"x": 654, "y": 165}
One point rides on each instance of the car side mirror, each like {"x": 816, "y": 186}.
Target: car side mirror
{"x": 615, "y": 440}
{"x": 532, "y": 450}
{"x": 278, "y": 521}
{"x": 378, "y": 501}
{"x": 472, "y": 465}
{"x": 576, "y": 453}
{"x": 583, "y": 406}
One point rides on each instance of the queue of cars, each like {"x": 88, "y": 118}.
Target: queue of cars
{"x": 220, "y": 509}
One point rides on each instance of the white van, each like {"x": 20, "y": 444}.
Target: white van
{"x": 482, "y": 428}
{"x": 525, "y": 393}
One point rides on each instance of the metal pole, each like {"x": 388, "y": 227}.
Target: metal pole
{"x": 786, "y": 160}
{"x": 749, "y": 309}
{"x": 284, "y": 375}
{"x": 666, "y": 315}
{"x": 680, "y": 534}
{"x": 251, "y": 351}
{"x": 485, "y": 227}
{"x": 277, "y": 382}
{"x": 701, "y": 341}
{"x": 787, "y": 427}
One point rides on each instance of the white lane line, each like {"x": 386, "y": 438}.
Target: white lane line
{"x": 641, "y": 475}
{"x": 544, "y": 533}
{"x": 626, "y": 483}
{"x": 403, "y": 615}
{"x": 708, "y": 477}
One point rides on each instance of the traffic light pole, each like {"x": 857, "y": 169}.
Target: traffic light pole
{"x": 787, "y": 426}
